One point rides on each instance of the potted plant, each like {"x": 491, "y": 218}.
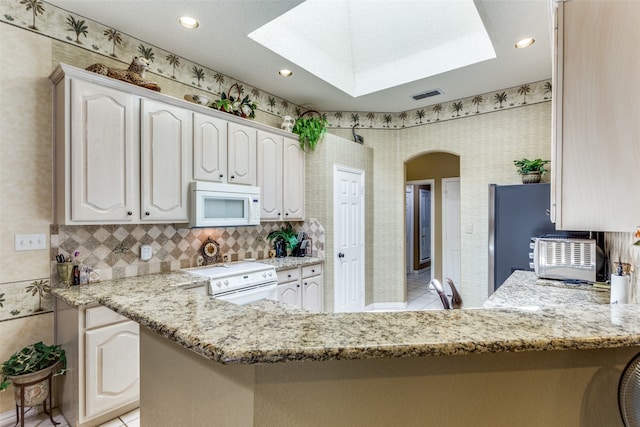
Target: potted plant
{"x": 310, "y": 129}
{"x": 531, "y": 170}
{"x": 31, "y": 368}
{"x": 286, "y": 235}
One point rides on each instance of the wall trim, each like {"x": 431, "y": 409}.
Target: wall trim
{"x": 386, "y": 306}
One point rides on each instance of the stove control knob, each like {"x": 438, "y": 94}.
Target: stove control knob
{"x": 219, "y": 284}
{"x": 226, "y": 282}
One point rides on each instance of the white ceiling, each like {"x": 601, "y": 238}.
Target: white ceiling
{"x": 221, "y": 43}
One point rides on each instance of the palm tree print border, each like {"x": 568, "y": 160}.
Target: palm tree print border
{"x": 36, "y": 7}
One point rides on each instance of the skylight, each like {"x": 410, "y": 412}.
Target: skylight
{"x": 362, "y": 47}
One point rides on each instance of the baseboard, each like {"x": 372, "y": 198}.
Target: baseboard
{"x": 386, "y": 306}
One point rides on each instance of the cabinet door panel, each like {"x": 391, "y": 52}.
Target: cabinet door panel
{"x": 596, "y": 148}
{"x": 112, "y": 367}
{"x": 166, "y": 141}
{"x": 293, "y": 180}
{"x": 104, "y": 148}
{"x": 270, "y": 175}
{"x": 312, "y": 293}
{"x": 242, "y": 154}
{"x": 209, "y": 148}
{"x": 290, "y": 293}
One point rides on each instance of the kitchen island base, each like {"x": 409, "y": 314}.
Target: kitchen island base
{"x": 568, "y": 388}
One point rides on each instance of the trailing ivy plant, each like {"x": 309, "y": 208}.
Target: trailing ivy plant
{"x": 310, "y": 130}
{"x": 30, "y": 359}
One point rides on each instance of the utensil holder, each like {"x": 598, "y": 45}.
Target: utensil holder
{"x": 65, "y": 271}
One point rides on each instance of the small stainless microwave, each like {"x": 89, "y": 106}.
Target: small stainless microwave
{"x": 223, "y": 205}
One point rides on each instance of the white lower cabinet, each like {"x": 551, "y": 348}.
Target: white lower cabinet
{"x": 302, "y": 287}
{"x": 112, "y": 367}
{"x": 103, "y": 363}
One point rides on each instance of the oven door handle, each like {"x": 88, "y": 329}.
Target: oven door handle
{"x": 248, "y": 294}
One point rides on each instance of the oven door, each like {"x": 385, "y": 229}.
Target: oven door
{"x": 249, "y": 295}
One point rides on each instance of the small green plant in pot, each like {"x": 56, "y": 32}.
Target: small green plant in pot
{"x": 34, "y": 362}
{"x": 310, "y": 129}
{"x": 286, "y": 234}
{"x": 531, "y": 170}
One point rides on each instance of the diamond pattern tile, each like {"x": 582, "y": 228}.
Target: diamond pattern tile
{"x": 114, "y": 249}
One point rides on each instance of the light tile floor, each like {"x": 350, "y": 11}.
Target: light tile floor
{"x": 419, "y": 296}
{"x": 36, "y": 418}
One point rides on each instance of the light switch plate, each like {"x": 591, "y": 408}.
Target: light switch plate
{"x": 146, "y": 252}
{"x": 30, "y": 242}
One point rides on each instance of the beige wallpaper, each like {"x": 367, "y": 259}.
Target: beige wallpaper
{"x": 331, "y": 151}
{"x": 487, "y": 146}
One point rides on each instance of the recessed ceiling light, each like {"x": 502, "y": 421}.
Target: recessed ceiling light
{"x": 521, "y": 44}
{"x": 285, "y": 73}
{"x": 188, "y": 22}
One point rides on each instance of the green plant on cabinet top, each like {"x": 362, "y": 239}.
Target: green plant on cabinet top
{"x": 310, "y": 129}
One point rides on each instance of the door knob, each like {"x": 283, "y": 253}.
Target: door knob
{"x": 340, "y": 255}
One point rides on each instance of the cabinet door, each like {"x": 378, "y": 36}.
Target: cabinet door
{"x": 596, "y": 128}
{"x": 290, "y": 293}
{"x": 166, "y": 140}
{"x": 242, "y": 154}
{"x": 293, "y": 180}
{"x": 209, "y": 148}
{"x": 112, "y": 367}
{"x": 103, "y": 154}
{"x": 270, "y": 175}
{"x": 312, "y": 293}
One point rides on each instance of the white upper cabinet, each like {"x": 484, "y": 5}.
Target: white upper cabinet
{"x": 209, "y": 148}
{"x": 596, "y": 151}
{"x": 280, "y": 177}
{"x": 293, "y": 180}
{"x": 103, "y": 154}
{"x": 242, "y": 154}
{"x": 125, "y": 154}
{"x": 166, "y": 140}
{"x": 270, "y": 175}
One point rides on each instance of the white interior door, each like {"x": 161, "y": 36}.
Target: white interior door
{"x": 451, "y": 229}
{"x": 348, "y": 213}
{"x": 409, "y": 227}
{"x": 425, "y": 225}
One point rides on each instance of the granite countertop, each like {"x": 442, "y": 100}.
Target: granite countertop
{"x": 232, "y": 334}
{"x": 290, "y": 262}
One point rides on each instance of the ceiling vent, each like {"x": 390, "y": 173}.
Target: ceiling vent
{"x": 428, "y": 94}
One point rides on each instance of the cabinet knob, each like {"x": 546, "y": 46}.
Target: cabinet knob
{"x": 288, "y": 275}
{"x": 340, "y": 255}
{"x": 287, "y": 214}
{"x": 147, "y": 213}
{"x": 221, "y": 175}
{"x": 313, "y": 271}
{"x": 129, "y": 213}
{"x": 233, "y": 177}
{"x": 279, "y": 214}
{"x": 297, "y": 286}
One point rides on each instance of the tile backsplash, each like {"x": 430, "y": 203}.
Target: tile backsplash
{"x": 113, "y": 251}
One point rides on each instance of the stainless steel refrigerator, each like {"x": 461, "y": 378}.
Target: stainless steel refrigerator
{"x": 516, "y": 214}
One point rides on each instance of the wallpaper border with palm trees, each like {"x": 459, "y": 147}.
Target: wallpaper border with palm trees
{"x": 46, "y": 19}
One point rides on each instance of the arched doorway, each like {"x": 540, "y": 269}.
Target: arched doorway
{"x": 426, "y": 177}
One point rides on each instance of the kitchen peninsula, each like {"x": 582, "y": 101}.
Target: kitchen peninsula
{"x": 203, "y": 359}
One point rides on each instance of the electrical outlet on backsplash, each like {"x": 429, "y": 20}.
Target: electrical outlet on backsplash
{"x": 114, "y": 250}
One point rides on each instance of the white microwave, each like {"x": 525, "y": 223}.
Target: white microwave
{"x": 223, "y": 205}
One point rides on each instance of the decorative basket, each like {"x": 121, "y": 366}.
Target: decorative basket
{"x": 238, "y": 106}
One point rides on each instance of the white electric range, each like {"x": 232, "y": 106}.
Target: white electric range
{"x": 240, "y": 282}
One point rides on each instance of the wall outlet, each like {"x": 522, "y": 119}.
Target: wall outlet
{"x": 146, "y": 252}
{"x": 225, "y": 258}
{"x": 30, "y": 242}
